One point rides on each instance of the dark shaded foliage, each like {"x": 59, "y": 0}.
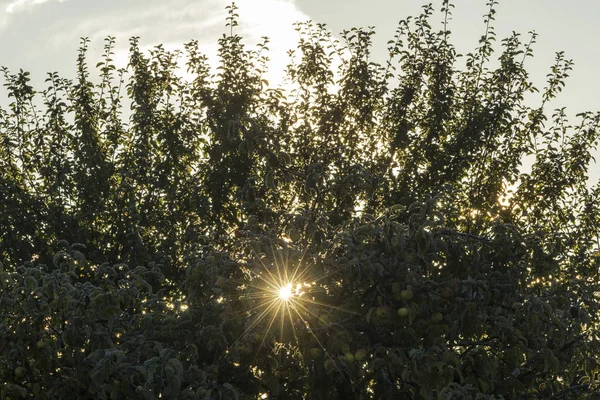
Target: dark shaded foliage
{"x": 135, "y": 249}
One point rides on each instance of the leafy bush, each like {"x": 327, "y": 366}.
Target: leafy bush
{"x": 143, "y": 254}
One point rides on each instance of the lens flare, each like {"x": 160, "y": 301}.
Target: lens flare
{"x": 285, "y": 292}
{"x": 280, "y": 293}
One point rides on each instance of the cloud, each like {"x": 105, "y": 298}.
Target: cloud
{"x": 154, "y": 21}
{"x": 9, "y": 9}
{"x": 21, "y": 5}
{"x": 179, "y": 21}
{"x": 48, "y": 37}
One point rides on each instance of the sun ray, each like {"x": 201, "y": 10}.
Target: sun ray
{"x": 283, "y": 291}
{"x": 266, "y": 333}
{"x": 256, "y": 321}
{"x": 277, "y": 262}
{"x": 296, "y": 277}
{"x": 289, "y": 307}
{"x": 327, "y": 354}
{"x": 318, "y": 303}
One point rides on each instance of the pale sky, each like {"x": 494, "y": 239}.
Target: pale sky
{"x": 43, "y": 35}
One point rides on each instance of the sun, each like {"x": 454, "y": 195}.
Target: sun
{"x": 281, "y": 294}
{"x": 285, "y": 292}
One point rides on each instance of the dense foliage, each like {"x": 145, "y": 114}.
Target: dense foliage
{"x": 143, "y": 247}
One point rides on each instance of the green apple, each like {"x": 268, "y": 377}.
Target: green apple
{"x": 324, "y": 319}
{"x": 406, "y": 294}
{"x": 329, "y": 365}
{"x": 41, "y": 344}
{"x": 314, "y": 353}
{"x": 345, "y": 348}
{"x": 246, "y": 350}
{"x": 403, "y": 312}
{"x": 295, "y": 235}
{"x": 256, "y": 338}
{"x": 382, "y": 312}
{"x": 349, "y": 357}
{"x": 196, "y": 271}
{"x": 20, "y": 372}
{"x": 360, "y": 354}
{"x": 437, "y": 317}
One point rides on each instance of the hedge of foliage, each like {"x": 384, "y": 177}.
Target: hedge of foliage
{"x": 148, "y": 223}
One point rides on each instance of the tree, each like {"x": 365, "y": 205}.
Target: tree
{"x": 371, "y": 234}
